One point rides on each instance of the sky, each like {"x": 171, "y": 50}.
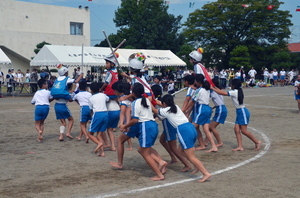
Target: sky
{"x": 102, "y": 13}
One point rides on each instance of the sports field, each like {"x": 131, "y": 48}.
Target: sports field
{"x": 71, "y": 169}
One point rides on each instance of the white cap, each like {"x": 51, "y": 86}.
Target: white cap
{"x": 62, "y": 69}
{"x": 142, "y": 70}
{"x": 105, "y": 70}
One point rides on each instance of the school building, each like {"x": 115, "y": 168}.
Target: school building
{"x": 23, "y": 25}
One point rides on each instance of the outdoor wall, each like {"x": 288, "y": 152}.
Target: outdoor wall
{"x": 23, "y": 25}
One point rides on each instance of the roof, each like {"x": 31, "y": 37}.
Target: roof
{"x": 294, "y": 47}
{"x": 4, "y": 58}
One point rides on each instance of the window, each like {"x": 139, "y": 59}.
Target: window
{"x": 76, "y": 28}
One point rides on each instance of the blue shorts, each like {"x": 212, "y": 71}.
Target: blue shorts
{"x": 187, "y": 135}
{"x": 113, "y": 119}
{"x": 221, "y": 114}
{"x": 282, "y": 77}
{"x": 133, "y": 131}
{"x": 112, "y": 97}
{"x": 297, "y": 97}
{"x": 275, "y": 77}
{"x": 99, "y": 122}
{"x": 85, "y": 113}
{"x": 169, "y": 131}
{"x": 148, "y": 133}
{"x": 41, "y": 112}
{"x": 62, "y": 111}
{"x": 203, "y": 114}
{"x": 242, "y": 116}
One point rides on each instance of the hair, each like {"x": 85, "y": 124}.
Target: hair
{"x": 82, "y": 85}
{"x": 236, "y": 84}
{"x": 169, "y": 101}
{"x": 138, "y": 73}
{"x": 158, "y": 77}
{"x": 157, "y": 90}
{"x": 138, "y": 90}
{"x": 41, "y": 82}
{"x": 127, "y": 87}
{"x": 118, "y": 86}
{"x": 216, "y": 82}
{"x": 95, "y": 87}
{"x": 190, "y": 79}
{"x": 200, "y": 79}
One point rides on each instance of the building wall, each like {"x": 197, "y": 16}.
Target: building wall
{"x": 23, "y": 25}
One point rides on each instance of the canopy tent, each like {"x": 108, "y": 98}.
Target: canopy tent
{"x": 51, "y": 55}
{"x": 3, "y": 58}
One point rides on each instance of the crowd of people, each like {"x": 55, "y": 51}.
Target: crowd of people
{"x": 134, "y": 105}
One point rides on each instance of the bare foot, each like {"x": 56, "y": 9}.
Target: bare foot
{"x": 78, "y": 138}
{"x": 257, "y": 145}
{"x": 102, "y": 154}
{"x": 40, "y": 137}
{"x": 186, "y": 168}
{"x": 163, "y": 166}
{"x": 113, "y": 148}
{"x": 128, "y": 149}
{"x": 220, "y": 144}
{"x": 98, "y": 148}
{"x": 69, "y": 136}
{"x": 204, "y": 178}
{"x": 196, "y": 170}
{"x": 157, "y": 178}
{"x": 172, "y": 161}
{"x": 87, "y": 140}
{"x": 106, "y": 146}
{"x": 61, "y": 138}
{"x": 39, "y": 140}
{"x": 212, "y": 150}
{"x": 200, "y": 148}
{"x": 116, "y": 165}
{"x": 238, "y": 149}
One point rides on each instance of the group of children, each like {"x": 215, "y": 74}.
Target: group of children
{"x": 135, "y": 112}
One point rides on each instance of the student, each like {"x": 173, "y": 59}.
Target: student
{"x": 157, "y": 81}
{"x": 60, "y": 92}
{"x": 220, "y": 114}
{"x": 282, "y": 77}
{"x": 111, "y": 76}
{"x": 82, "y": 98}
{"x": 148, "y": 131}
{"x": 186, "y": 132}
{"x": 97, "y": 103}
{"x": 242, "y": 114}
{"x": 188, "y": 81}
{"x": 297, "y": 91}
{"x": 41, "y": 100}
{"x": 261, "y": 83}
{"x": 203, "y": 112}
{"x": 171, "y": 88}
{"x": 275, "y": 77}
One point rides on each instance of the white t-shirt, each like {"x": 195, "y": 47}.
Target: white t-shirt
{"x": 190, "y": 92}
{"x": 198, "y": 69}
{"x": 171, "y": 87}
{"x": 83, "y": 98}
{"x": 202, "y": 96}
{"x": 69, "y": 81}
{"x": 174, "y": 119}
{"x": 134, "y": 80}
{"x": 275, "y": 73}
{"x": 234, "y": 97}
{"x": 282, "y": 73}
{"x": 112, "y": 105}
{"x": 223, "y": 74}
{"x": 41, "y": 97}
{"x": 217, "y": 99}
{"x": 108, "y": 76}
{"x": 252, "y": 72}
{"x": 266, "y": 73}
{"x": 140, "y": 112}
{"x": 98, "y": 101}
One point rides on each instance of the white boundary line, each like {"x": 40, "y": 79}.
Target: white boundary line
{"x": 264, "y": 151}
{"x": 269, "y": 107}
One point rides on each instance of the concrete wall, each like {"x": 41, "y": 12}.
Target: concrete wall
{"x": 23, "y": 25}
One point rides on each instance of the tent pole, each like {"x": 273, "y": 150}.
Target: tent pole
{"x": 82, "y": 57}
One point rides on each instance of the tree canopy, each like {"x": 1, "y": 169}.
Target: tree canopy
{"x": 221, "y": 26}
{"x": 146, "y": 25}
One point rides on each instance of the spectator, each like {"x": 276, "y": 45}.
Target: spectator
{"x": 34, "y": 78}
{"x": 252, "y": 72}
{"x": 43, "y": 74}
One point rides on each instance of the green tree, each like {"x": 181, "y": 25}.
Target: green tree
{"x": 184, "y": 50}
{"x": 146, "y": 25}
{"x": 40, "y": 46}
{"x": 282, "y": 60}
{"x": 240, "y": 57}
{"x": 225, "y": 24}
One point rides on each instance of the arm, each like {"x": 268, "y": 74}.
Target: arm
{"x": 103, "y": 87}
{"x": 131, "y": 123}
{"x": 126, "y": 97}
{"x": 122, "y": 115}
{"x": 79, "y": 78}
{"x": 185, "y": 103}
{"x": 219, "y": 91}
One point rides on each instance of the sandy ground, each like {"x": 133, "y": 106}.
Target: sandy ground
{"x": 71, "y": 169}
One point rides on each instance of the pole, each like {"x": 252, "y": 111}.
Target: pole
{"x": 173, "y": 94}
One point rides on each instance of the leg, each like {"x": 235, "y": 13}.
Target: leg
{"x": 129, "y": 145}
{"x": 120, "y": 151}
{"x": 190, "y": 153}
{"x": 173, "y": 147}
{"x": 105, "y": 140}
{"x": 210, "y": 138}
{"x": 96, "y": 141}
{"x": 101, "y": 147}
{"x": 298, "y": 105}
{"x": 111, "y": 136}
{"x": 165, "y": 144}
{"x": 200, "y": 139}
{"x": 213, "y": 128}
{"x": 250, "y": 136}
{"x": 237, "y": 130}
{"x": 70, "y": 125}
{"x": 162, "y": 165}
{"x": 62, "y": 129}
{"x": 39, "y": 130}
{"x": 146, "y": 154}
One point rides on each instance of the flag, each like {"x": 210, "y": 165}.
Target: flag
{"x": 270, "y": 7}
{"x": 167, "y": 2}
{"x": 90, "y": 0}
{"x": 192, "y": 4}
{"x": 245, "y": 5}
{"x": 298, "y": 9}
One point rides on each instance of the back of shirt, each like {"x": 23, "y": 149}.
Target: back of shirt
{"x": 140, "y": 112}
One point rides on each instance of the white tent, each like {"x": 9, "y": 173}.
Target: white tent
{"x": 51, "y": 55}
{"x": 3, "y": 58}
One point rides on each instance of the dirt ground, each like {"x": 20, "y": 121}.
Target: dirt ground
{"x": 71, "y": 169}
